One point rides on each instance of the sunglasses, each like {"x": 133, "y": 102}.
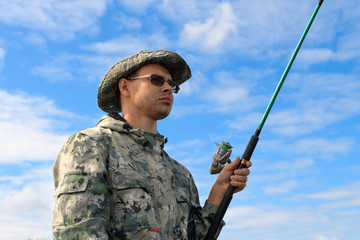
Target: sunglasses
{"x": 159, "y": 81}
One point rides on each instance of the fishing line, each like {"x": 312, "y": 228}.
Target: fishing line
{"x": 255, "y": 137}
{"x": 260, "y": 81}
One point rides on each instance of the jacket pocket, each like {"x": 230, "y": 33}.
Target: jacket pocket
{"x": 71, "y": 199}
{"x": 128, "y": 178}
{"x": 133, "y": 208}
{"x": 74, "y": 182}
{"x": 183, "y": 201}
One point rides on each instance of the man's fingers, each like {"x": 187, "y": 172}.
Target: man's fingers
{"x": 248, "y": 164}
{"x": 233, "y": 165}
{"x": 239, "y": 185}
{"x": 238, "y": 178}
{"x": 243, "y": 172}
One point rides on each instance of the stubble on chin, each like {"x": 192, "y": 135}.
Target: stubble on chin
{"x": 161, "y": 114}
{"x": 155, "y": 111}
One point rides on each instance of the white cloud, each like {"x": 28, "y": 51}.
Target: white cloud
{"x": 284, "y": 174}
{"x": 180, "y": 11}
{"x": 244, "y": 122}
{"x": 211, "y": 33}
{"x": 92, "y": 67}
{"x": 318, "y": 55}
{"x": 138, "y": 6}
{"x": 173, "y": 10}
{"x": 57, "y": 69}
{"x": 347, "y": 47}
{"x": 26, "y": 203}
{"x": 68, "y": 67}
{"x": 346, "y": 50}
{"x": 31, "y": 132}
{"x": 187, "y": 151}
{"x": 29, "y": 126}
{"x": 125, "y": 45}
{"x": 257, "y": 222}
{"x": 60, "y": 19}
{"x": 127, "y": 22}
{"x": 227, "y": 97}
{"x": 320, "y": 147}
{"x": 36, "y": 39}
{"x": 347, "y": 197}
{"x": 281, "y": 188}
{"x": 258, "y": 28}
{"x": 331, "y": 214}
{"x": 322, "y": 237}
{"x": 309, "y": 103}
{"x": 256, "y": 217}
{"x": 300, "y": 165}
{"x": 332, "y": 194}
{"x": 181, "y": 111}
{"x": 222, "y": 94}
{"x": 197, "y": 82}
{"x": 23, "y": 143}
{"x": 27, "y": 212}
{"x": 230, "y": 92}
{"x": 247, "y": 26}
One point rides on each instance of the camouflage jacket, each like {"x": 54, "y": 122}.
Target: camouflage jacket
{"x": 114, "y": 181}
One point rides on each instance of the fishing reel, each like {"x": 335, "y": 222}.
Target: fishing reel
{"x": 220, "y": 157}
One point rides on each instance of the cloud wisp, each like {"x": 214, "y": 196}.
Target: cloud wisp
{"x": 57, "y": 19}
{"x": 27, "y": 123}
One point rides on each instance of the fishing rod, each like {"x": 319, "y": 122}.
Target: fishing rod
{"x": 255, "y": 138}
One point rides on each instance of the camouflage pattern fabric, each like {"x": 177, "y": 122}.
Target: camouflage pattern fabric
{"x": 116, "y": 182}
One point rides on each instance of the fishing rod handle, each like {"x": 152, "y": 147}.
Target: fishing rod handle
{"x": 230, "y": 192}
{"x": 250, "y": 148}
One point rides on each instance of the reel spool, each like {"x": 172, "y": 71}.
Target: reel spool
{"x": 220, "y": 157}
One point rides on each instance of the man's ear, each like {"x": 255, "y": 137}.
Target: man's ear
{"x": 124, "y": 87}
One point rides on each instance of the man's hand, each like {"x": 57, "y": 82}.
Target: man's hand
{"x": 229, "y": 175}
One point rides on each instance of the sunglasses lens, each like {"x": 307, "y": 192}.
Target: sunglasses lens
{"x": 176, "y": 88}
{"x": 157, "y": 80}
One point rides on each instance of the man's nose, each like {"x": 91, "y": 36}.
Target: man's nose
{"x": 167, "y": 87}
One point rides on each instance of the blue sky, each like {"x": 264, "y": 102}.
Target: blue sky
{"x": 304, "y": 183}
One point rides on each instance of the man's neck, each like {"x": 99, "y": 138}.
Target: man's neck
{"x": 146, "y": 124}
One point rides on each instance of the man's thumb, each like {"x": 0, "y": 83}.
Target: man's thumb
{"x": 233, "y": 165}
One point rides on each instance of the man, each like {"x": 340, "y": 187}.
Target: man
{"x": 115, "y": 181}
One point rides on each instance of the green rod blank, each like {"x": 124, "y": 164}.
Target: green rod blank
{"x": 287, "y": 69}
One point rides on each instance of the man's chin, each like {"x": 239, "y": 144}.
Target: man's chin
{"x": 162, "y": 115}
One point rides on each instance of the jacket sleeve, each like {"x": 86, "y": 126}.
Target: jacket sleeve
{"x": 201, "y": 217}
{"x": 81, "y": 209}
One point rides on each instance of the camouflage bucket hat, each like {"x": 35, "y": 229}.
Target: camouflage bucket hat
{"x": 108, "y": 95}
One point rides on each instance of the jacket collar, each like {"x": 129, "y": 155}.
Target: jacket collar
{"x": 149, "y": 141}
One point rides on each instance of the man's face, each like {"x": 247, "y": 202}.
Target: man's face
{"x": 148, "y": 100}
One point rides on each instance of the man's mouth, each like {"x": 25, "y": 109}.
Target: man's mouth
{"x": 166, "y": 100}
